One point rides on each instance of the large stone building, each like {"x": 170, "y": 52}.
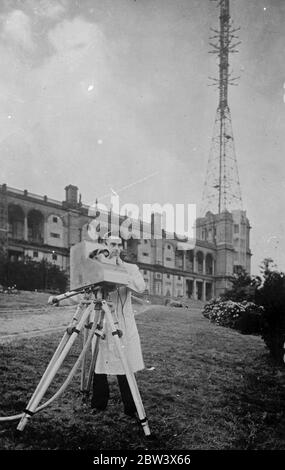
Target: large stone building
{"x": 40, "y": 227}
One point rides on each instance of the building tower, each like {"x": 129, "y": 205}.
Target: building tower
{"x": 222, "y": 188}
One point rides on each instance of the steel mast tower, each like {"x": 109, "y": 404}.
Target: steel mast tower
{"x": 3, "y": 222}
{"x": 222, "y": 188}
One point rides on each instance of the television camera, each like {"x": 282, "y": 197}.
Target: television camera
{"x": 91, "y": 268}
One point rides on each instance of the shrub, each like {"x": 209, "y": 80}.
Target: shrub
{"x": 242, "y": 316}
{"x": 272, "y": 296}
{"x": 265, "y": 316}
{"x": 250, "y": 322}
{"x": 31, "y": 275}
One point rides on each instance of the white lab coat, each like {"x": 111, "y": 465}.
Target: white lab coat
{"x": 108, "y": 360}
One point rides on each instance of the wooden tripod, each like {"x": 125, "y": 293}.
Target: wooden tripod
{"x": 90, "y": 313}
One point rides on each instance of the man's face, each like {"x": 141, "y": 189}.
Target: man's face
{"x": 115, "y": 246}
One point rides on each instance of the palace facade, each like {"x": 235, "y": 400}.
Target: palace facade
{"x": 40, "y": 227}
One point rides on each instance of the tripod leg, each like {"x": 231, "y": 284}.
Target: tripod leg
{"x": 129, "y": 373}
{"x": 94, "y": 355}
{"x": 56, "y": 355}
{"x": 85, "y": 388}
{"x": 73, "y": 370}
{"x": 36, "y": 398}
{"x": 83, "y": 367}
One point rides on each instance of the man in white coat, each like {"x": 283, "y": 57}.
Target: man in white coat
{"x": 108, "y": 360}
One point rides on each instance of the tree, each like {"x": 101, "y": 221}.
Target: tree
{"x": 267, "y": 266}
{"x": 271, "y": 295}
{"x": 243, "y": 287}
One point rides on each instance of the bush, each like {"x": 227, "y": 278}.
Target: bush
{"x": 272, "y": 296}
{"x": 250, "y": 322}
{"x": 264, "y": 316}
{"x": 246, "y": 317}
{"x": 32, "y": 275}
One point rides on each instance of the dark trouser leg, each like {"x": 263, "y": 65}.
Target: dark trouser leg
{"x": 100, "y": 392}
{"x": 127, "y": 398}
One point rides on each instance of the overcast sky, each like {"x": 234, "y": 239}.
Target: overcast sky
{"x": 104, "y": 93}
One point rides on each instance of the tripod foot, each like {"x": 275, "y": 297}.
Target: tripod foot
{"x": 85, "y": 397}
{"x": 97, "y": 411}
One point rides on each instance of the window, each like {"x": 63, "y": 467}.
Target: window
{"x": 168, "y": 247}
{"x": 168, "y": 276}
{"x": 158, "y": 275}
{"x": 35, "y": 254}
{"x": 54, "y": 256}
{"x": 55, "y": 235}
{"x": 236, "y": 228}
{"x": 54, "y": 219}
{"x": 145, "y": 254}
{"x": 179, "y": 278}
{"x": 168, "y": 259}
{"x": 145, "y": 242}
{"x": 145, "y": 273}
{"x": 237, "y": 269}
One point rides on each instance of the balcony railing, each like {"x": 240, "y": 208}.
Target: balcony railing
{"x": 33, "y": 195}
{"x": 37, "y": 239}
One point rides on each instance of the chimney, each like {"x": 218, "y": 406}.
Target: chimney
{"x": 156, "y": 225}
{"x": 71, "y": 196}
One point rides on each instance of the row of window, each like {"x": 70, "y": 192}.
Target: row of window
{"x": 199, "y": 256}
{"x": 36, "y": 255}
{"x": 158, "y": 275}
{"x": 169, "y": 247}
{"x": 207, "y": 233}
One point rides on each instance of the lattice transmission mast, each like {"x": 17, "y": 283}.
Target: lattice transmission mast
{"x": 222, "y": 188}
{"x": 3, "y": 222}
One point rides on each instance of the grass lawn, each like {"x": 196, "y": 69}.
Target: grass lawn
{"x": 37, "y": 301}
{"x": 211, "y": 388}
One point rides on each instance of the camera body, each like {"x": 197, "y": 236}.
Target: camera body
{"x": 89, "y": 264}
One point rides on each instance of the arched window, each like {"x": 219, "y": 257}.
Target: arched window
{"x": 209, "y": 264}
{"x": 179, "y": 259}
{"x": 200, "y": 258}
{"x": 16, "y": 222}
{"x": 190, "y": 261}
{"x": 35, "y": 226}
